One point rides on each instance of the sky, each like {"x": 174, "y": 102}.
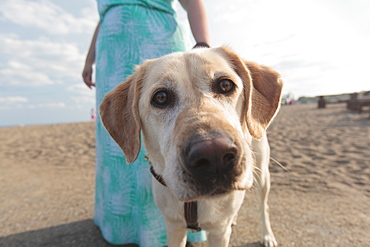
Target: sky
{"x": 319, "y": 46}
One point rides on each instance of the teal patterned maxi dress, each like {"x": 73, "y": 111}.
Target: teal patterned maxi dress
{"x": 130, "y": 32}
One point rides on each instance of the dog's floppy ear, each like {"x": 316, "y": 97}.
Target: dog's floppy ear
{"x": 120, "y": 115}
{"x": 262, "y": 90}
{"x": 266, "y": 96}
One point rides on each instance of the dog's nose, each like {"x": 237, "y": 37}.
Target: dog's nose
{"x": 214, "y": 155}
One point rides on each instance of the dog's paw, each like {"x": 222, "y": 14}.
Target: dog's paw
{"x": 269, "y": 241}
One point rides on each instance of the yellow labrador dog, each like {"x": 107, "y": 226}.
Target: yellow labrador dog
{"x": 203, "y": 115}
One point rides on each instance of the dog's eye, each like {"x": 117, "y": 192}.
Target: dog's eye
{"x": 161, "y": 99}
{"x": 225, "y": 86}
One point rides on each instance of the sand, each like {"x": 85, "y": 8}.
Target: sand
{"x": 320, "y": 198}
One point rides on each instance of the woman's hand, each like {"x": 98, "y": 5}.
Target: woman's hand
{"x": 90, "y": 60}
{"x": 87, "y": 75}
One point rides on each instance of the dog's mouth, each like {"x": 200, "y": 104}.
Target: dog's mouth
{"x": 212, "y": 184}
{"x": 217, "y": 191}
{"x": 212, "y": 165}
{"x": 221, "y": 191}
{"x": 196, "y": 184}
{"x": 215, "y": 184}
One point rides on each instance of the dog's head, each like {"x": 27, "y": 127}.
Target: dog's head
{"x": 198, "y": 112}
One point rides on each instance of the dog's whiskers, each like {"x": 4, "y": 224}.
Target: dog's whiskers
{"x": 277, "y": 162}
{"x": 272, "y": 159}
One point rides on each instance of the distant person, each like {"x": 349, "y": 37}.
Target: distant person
{"x": 129, "y": 32}
{"x": 321, "y": 102}
{"x": 93, "y": 114}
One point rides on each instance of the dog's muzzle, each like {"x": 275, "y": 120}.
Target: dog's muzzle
{"x": 212, "y": 163}
{"x": 211, "y": 156}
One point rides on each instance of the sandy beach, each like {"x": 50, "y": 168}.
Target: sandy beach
{"x": 320, "y": 197}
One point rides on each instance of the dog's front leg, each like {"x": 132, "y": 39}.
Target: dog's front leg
{"x": 263, "y": 185}
{"x": 219, "y": 237}
{"x": 262, "y": 153}
{"x": 170, "y": 208}
{"x": 176, "y": 234}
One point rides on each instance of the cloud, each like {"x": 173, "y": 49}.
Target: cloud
{"x": 86, "y": 95}
{"x": 10, "y": 102}
{"x": 38, "y": 62}
{"x": 17, "y": 73}
{"x": 57, "y": 105}
{"x": 12, "y": 99}
{"x": 84, "y": 100}
{"x": 46, "y": 16}
{"x": 82, "y": 89}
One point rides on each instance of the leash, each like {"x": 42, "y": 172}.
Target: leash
{"x": 190, "y": 208}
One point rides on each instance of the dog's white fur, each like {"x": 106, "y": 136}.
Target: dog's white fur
{"x": 196, "y": 109}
